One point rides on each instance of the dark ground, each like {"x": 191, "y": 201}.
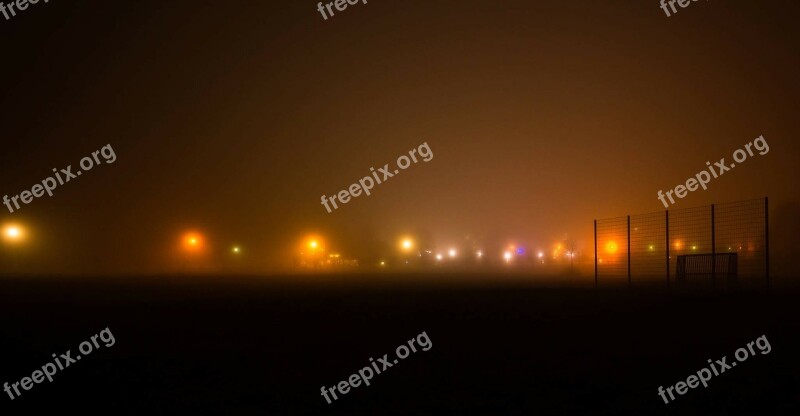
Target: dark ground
{"x": 235, "y": 347}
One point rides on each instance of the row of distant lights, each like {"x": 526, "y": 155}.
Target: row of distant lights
{"x": 507, "y": 255}
{"x": 407, "y": 244}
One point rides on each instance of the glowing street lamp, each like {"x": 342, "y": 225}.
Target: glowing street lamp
{"x": 611, "y": 247}
{"x": 13, "y": 233}
{"x": 507, "y": 256}
{"x": 452, "y": 252}
{"x": 406, "y": 244}
{"x": 236, "y": 250}
{"x": 479, "y": 253}
{"x": 438, "y": 257}
{"x": 192, "y": 242}
{"x": 311, "y": 245}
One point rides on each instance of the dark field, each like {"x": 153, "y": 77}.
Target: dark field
{"x": 266, "y": 346}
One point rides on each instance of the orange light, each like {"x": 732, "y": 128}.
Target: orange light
{"x": 13, "y": 233}
{"x": 406, "y": 244}
{"x": 312, "y": 244}
{"x": 193, "y": 242}
{"x": 611, "y": 247}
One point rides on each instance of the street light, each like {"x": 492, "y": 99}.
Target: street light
{"x": 13, "y": 233}
{"x": 611, "y": 247}
{"x": 192, "y": 242}
{"x": 312, "y": 244}
{"x": 406, "y": 244}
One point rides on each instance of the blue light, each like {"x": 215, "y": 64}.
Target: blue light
{"x": 520, "y": 251}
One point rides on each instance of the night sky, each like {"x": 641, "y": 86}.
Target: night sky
{"x": 233, "y": 118}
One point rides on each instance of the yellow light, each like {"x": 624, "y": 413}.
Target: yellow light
{"x": 611, "y": 247}
{"x": 406, "y": 244}
{"x": 650, "y": 247}
{"x": 507, "y": 255}
{"x": 452, "y": 252}
{"x": 694, "y": 247}
{"x": 439, "y": 257}
{"x": 13, "y": 233}
{"x": 236, "y": 249}
{"x": 313, "y": 244}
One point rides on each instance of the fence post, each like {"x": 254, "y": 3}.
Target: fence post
{"x": 629, "y": 251}
{"x": 713, "y": 250}
{"x": 595, "y": 254}
{"x": 766, "y": 235}
{"x": 666, "y": 213}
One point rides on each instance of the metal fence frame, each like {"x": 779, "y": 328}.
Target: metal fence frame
{"x": 616, "y": 225}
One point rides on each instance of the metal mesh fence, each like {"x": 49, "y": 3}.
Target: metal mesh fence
{"x": 645, "y": 249}
{"x": 741, "y": 229}
{"x": 648, "y": 247}
{"x": 689, "y": 233}
{"x": 612, "y": 263}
